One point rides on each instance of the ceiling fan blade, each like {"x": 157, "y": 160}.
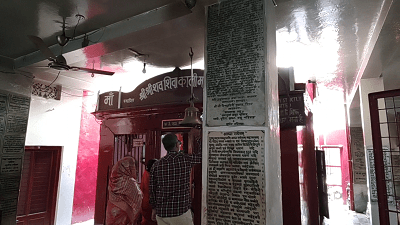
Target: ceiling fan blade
{"x": 42, "y": 47}
{"x": 74, "y": 68}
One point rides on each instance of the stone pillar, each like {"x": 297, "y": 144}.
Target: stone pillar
{"x": 241, "y": 161}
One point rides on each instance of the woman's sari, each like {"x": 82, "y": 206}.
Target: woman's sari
{"x": 125, "y": 197}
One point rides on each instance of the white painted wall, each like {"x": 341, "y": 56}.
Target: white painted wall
{"x": 57, "y": 123}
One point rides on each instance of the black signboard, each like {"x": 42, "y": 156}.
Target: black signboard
{"x": 174, "y": 123}
{"x": 291, "y": 110}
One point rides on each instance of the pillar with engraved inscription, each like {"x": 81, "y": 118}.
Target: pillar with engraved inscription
{"x": 241, "y": 154}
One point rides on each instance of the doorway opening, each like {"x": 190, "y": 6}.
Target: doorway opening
{"x": 338, "y": 182}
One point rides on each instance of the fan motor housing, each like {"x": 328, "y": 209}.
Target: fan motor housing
{"x": 58, "y": 66}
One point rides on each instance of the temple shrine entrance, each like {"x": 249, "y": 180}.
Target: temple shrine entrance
{"x": 133, "y": 124}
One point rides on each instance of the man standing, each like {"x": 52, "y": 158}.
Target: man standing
{"x": 170, "y": 184}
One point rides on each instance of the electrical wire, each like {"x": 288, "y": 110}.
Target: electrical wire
{"x": 87, "y": 34}
{"x": 80, "y": 17}
{"x": 54, "y": 79}
{"x": 94, "y": 42}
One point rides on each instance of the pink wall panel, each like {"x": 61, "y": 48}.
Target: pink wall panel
{"x": 86, "y": 168}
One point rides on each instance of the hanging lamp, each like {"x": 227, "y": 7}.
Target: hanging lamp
{"x": 192, "y": 114}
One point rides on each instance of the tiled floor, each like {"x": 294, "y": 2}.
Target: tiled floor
{"x": 340, "y": 215}
{"x": 89, "y": 222}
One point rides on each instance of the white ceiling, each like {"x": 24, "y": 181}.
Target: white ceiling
{"x": 330, "y": 41}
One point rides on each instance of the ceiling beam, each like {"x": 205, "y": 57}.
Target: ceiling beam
{"x": 119, "y": 29}
{"x": 6, "y": 64}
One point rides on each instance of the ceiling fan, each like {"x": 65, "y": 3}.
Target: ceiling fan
{"x": 59, "y": 62}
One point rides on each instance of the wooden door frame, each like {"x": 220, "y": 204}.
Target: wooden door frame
{"x": 341, "y": 148}
{"x": 378, "y": 152}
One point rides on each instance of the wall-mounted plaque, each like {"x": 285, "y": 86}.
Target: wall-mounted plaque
{"x": 235, "y": 56}
{"x": 291, "y": 110}
{"x": 236, "y": 178}
{"x": 12, "y": 144}
{"x": 14, "y": 112}
{"x": 388, "y": 175}
{"x": 171, "y": 124}
{"x": 358, "y": 155}
{"x": 10, "y": 165}
{"x": 9, "y": 185}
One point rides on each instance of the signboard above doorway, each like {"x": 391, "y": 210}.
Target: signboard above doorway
{"x": 168, "y": 88}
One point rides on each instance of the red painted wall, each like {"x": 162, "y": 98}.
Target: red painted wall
{"x": 86, "y": 168}
{"x": 308, "y": 174}
{"x": 309, "y": 199}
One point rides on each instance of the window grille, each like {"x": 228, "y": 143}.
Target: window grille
{"x": 131, "y": 145}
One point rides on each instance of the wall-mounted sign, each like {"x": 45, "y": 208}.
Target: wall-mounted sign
{"x": 174, "y": 123}
{"x": 14, "y": 112}
{"x": 137, "y": 142}
{"x": 291, "y": 110}
{"x": 236, "y": 177}
{"x": 388, "y": 175}
{"x": 168, "y": 88}
{"x": 236, "y": 56}
{"x": 11, "y": 165}
{"x": 358, "y": 154}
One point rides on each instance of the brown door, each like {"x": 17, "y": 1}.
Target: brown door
{"x": 38, "y": 187}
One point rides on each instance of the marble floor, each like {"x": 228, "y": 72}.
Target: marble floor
{"x": 341, "y": 215}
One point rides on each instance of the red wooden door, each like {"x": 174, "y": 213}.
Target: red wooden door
{"x": 38, "y": 186}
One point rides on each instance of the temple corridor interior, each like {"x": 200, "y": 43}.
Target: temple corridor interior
{"x": 65, "y": 55}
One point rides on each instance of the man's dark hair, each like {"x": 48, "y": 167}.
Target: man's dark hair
{"x": 169, "y": 141}
{"x": 150, "y": 164}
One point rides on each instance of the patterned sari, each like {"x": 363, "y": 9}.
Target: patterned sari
{"x": 125, "y": 197}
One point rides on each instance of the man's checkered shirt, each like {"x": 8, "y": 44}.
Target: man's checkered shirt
{"x": 170, "y": 184}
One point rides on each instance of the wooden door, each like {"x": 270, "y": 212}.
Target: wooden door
{"x": 38, "y": 186}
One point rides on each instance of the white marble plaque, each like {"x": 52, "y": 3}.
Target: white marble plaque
{"x": 236, "y": 178}
{"x": 358, "y": 155}
{"x": 235, "y": 55}
{"x": 388, "y": 175}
